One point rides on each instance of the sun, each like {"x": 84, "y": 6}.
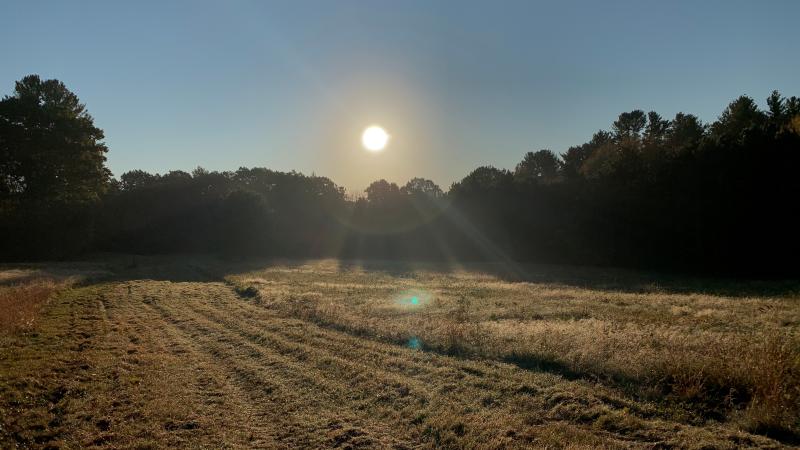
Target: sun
{"x": 375, "y": 138}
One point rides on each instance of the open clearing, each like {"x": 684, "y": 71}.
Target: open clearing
{"x": 196, "y": 352}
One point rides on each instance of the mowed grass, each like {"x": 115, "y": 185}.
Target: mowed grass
{"x": 24, "y": 290}
{"x": 188, "y": 352}
{"x": 699, "y": 356}
{"x": 20, "y": 304}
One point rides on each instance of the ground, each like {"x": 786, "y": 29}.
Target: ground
{"x": 153, "y": 352}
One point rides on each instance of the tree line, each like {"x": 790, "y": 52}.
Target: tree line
{"x": 649, "y": 192}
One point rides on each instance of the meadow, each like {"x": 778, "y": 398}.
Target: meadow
{"x": 136, "y": 352}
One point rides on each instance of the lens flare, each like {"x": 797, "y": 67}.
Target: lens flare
{"x": 414, "y": 298}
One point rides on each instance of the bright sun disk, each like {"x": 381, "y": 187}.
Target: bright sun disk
{"x": 375, "y": 138}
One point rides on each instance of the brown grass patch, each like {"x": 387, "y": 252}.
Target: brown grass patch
{"x": 20, "y": 304}
{"x": 321, "y": 354}
{"x": 701, "y": 356}
{"x": 25, "y": 289}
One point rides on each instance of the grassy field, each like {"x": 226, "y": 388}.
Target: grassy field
{"x": 196, "y": 352}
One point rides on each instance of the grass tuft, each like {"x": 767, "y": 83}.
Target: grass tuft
{"x": 20, "y": 304}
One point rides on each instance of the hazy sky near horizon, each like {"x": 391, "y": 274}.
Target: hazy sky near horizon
{"x": 457, "y": 84}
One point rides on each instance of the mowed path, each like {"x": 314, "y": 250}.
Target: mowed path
{"x": 142, "y": 363}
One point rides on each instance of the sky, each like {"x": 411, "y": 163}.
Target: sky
{"x": 457, "y": 84}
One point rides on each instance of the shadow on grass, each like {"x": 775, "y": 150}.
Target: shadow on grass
{"x": 634, "y": 281}
{"x": 205, "y": 267}
{"x": 781, "y": 435}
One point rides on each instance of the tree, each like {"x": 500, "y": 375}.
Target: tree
{"x": 485, "y": 179}
{"x": 776, "y": 105}
{"x": 685, "y": 133}
{"x": 741, "y": 116}
{"x": 50, "y": 149}
{"x": 629, "y": 124}
{"x": 543, "y": 165}
{"x": 657, "y": 128}
{"x": 244, "y": 224}
{"x": 783, "y": 113}
{"x": 576, "y": 156}
{"x": 382, "y": 192}
{"x": 52, "y": 171}
{"x": 136, "y": 179}
{"x": 792, "y": 106}
{"x": 422, "y": 187}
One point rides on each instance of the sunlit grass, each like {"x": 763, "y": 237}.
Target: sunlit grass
{"x": 20, "y": 304}
{"x": 703, "y": 355}
{"x": 164, "y": 354}
{"x": 25, "y": 290}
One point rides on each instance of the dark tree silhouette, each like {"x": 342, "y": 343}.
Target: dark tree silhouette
{"x": 650, "y": 192}
{"x": 739, "y": 118}
{"x": 52, "y": 169}
{"x": 382, "y": 193}
{"x": 421, "y": 187}
{"x": 630, "y": 124}
{"x": 50, "y": 148}
{"x": 685, "y": 133}
{"x": 542, "y": 166}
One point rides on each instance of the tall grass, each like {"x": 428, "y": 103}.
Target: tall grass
{"x": 774, "y": 372}
{"x": 20, "y": 304}
{"x": 701, "y": 356}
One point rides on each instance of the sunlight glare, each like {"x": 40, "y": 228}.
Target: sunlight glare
{"x": 375, "y": 138}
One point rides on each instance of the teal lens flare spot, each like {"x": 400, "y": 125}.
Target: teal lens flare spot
{"x": 412, "y": 300}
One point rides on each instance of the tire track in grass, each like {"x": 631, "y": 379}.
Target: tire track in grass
{"x": 313, "y": 350}
{"x": 254, "y": 398}
{"x": 316, "y": 386}
{"x": 227, "y": 373}
{"x": 301, "y": 399}
{"x": 257, "y": 324}
{"x": 400, "y": 398}
{"x": 296, "y": 397}
{"x": 318, "y": 349}
{"x": 42, "y": 372}
{"x": 391, "y": 397}
{"x": 445, "y": 396}
{"x": 449, "y": 377}
{"x": 298, "y": 417}
{"x": 383, "y": 355}
{"x": 217, "y": 413}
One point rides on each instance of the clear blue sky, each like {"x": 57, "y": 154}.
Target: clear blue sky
{"x": 458, "y": 84}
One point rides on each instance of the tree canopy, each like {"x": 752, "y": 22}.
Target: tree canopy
{"x": 650, "y": 191}
{"x": 49, "y": 147}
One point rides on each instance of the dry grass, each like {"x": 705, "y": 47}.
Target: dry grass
{"x": 25, "y": 289}
{"x": 327, "y": 354}
{"x": 700, "y": 356}
{"x": 20, "y": 304}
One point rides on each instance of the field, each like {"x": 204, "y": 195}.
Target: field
{"x": 134, "y": 352}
